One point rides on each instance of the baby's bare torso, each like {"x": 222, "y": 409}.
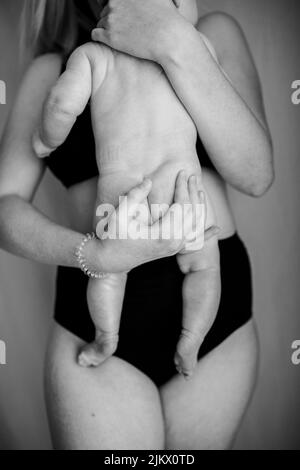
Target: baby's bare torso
{"x": 141, "y": 129}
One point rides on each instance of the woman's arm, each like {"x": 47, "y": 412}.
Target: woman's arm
{"x": 228, "y": 112}
{"x": 24, "y": 230}
{"x": 224, "y": 99}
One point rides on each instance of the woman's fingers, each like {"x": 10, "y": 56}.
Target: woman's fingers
{"x": 100, "y": 35}
{"x": 193, "y": 190}
{"x": 192, "y": 201}
{"x": 103, "y": 22}
{"x": 181, "y": 193}
{"x": 137, "y": 196}
{"x": 177, "y": 3}
{"x": 184, "y": 219}
{"x": 140, "y": 192}
{"x": 182, "y": 205}
{"x": 170, "y": 227}
{"x": 196, "y": 198}
{"x": 105, "y": 11}
{"x": 211, "y": 232}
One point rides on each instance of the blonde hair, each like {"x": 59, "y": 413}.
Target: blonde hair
{"x": 50, "y": 26}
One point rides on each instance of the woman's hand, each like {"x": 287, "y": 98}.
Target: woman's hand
{"x": 131, "y": 239}
{"x": 138, "y": 27}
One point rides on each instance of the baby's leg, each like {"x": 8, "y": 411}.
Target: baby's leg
{"x": 105, "y": 300}
{"x": 201, "y": 297}
{"x": 105, "y": 296}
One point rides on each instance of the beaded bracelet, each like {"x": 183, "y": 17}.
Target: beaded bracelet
{"x": 82, "y": 261}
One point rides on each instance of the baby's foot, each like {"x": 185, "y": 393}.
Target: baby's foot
{"x": 94, "y": 354}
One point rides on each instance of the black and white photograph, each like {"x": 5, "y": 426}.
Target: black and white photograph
{"x": 149, "y": 224}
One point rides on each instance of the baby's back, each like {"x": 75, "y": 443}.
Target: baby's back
{"x": 140, "y": 127}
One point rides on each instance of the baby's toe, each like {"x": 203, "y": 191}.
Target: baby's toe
{"x": 90, "y": 357}
{"x": 83, "y": 360}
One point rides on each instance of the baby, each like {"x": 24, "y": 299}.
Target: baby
{"x": 141, "y": 130}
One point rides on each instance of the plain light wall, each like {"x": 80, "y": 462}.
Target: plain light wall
{"x": 269, "y": 227}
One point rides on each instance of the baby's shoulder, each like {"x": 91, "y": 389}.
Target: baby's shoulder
{"x": 91, "y": 58}
{"x": 96, "y": 53}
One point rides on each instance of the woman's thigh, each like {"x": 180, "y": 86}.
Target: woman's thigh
{"x": 206, "y": 411}
{"x": 114, "y": 406}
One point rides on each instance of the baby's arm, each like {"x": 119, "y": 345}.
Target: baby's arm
{"x": 67, "y": 99}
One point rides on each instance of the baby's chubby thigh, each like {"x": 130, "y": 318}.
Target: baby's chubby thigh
{"x": 199, "y": 260}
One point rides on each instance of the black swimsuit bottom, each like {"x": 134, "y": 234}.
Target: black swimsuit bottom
{"x": 152, "y": 310}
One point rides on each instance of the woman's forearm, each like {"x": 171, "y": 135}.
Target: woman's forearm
{"x": 236, "y": 140}
{"x": 26, "y": 232}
